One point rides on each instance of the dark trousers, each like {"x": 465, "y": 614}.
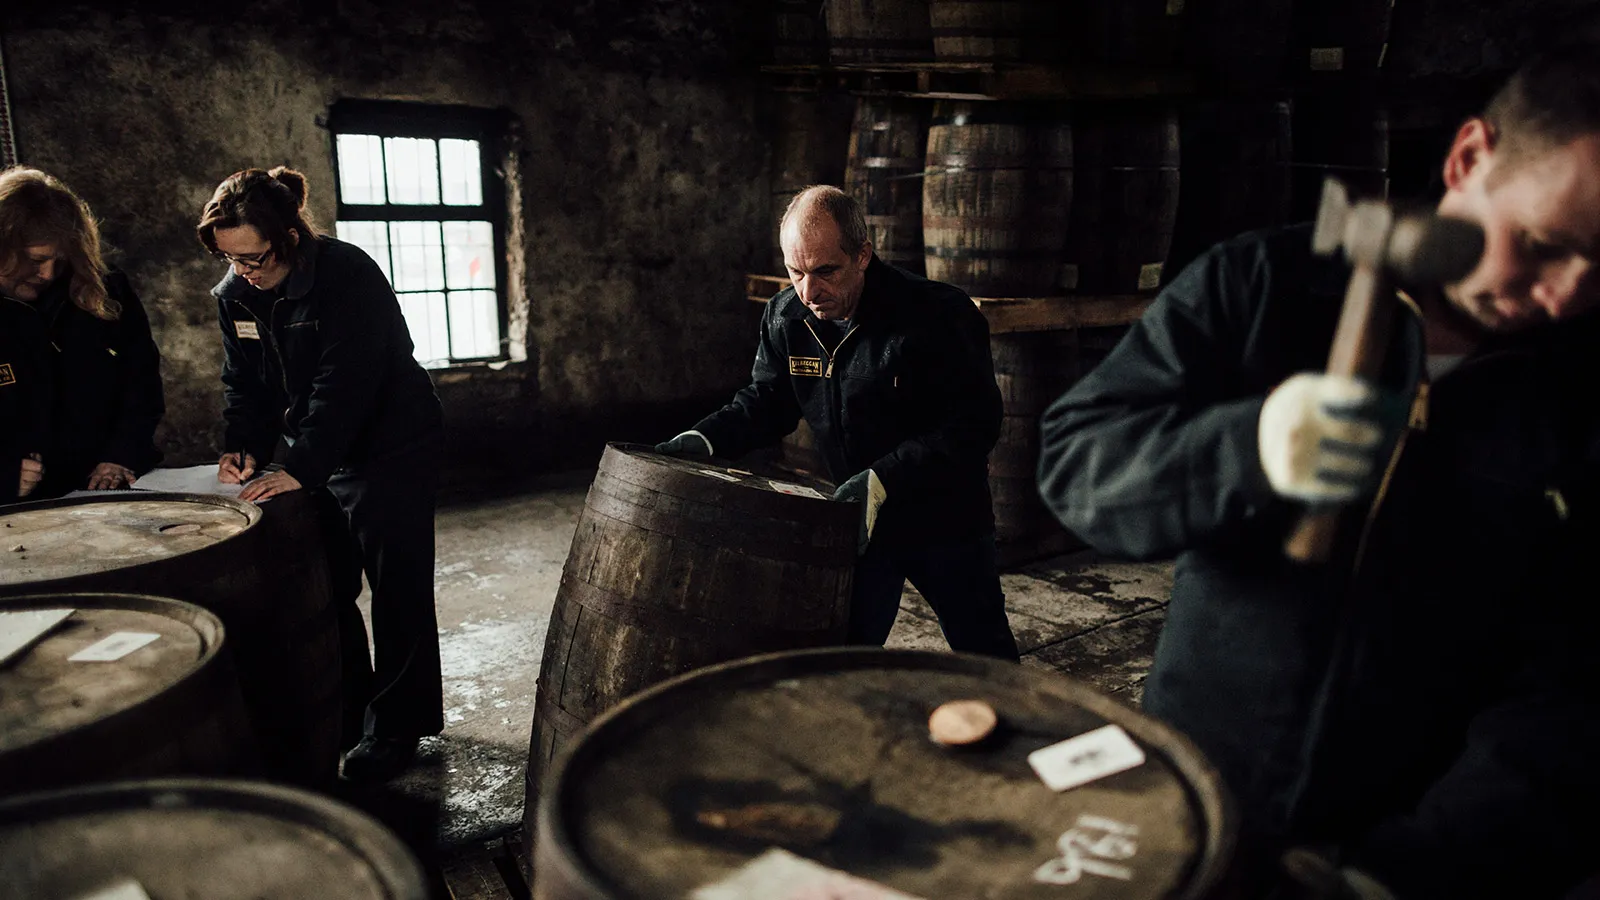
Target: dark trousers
{"x": 959, "y": 579}
{"x": 386, "y": 507}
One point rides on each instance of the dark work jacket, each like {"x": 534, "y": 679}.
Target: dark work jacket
{"x": 108, "y": 393}
{"x": 25, "y": 392}
{"x": 1431, "y": 705}
{"x": 909, "y": 392}
{"x": 327, "y": 363}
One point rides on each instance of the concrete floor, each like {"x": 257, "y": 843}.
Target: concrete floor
{"x": 499, "y": 566}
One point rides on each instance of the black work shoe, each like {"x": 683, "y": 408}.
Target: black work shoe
{"x": 379, "y": 758}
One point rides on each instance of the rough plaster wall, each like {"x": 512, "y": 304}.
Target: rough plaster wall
{"x": 642, "y": 194}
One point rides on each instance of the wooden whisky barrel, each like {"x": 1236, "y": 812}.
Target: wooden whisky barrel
{"x": 1031, "y": 369}
{"x": 869, "y": 31}
{"x": 1341, "y": 40}
{"x": 996, "y": 197}
{"x": 1343, "y": 138}
{"x": 810, "y": 139}
{"x": 884, "y": 173}
{"x": 678, "y": 564}
{"x": 262, "y": 570}
{"x": 826, "y": 755}
{"x": 200, "y": 839}
{"x": 1237, "y": 157}
{"x": 798, "y": 34}
{"x": 1125, "y": 198}
{"x": 169, "y": 707}
{"x": 980, "y": 30}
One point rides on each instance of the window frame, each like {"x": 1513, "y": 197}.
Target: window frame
{"x": 403, "y": 119}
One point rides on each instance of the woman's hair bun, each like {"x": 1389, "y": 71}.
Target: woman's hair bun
{"x": 294, "y": 181}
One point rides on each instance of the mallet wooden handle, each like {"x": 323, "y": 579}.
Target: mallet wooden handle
{"x": 1358, "y": 349}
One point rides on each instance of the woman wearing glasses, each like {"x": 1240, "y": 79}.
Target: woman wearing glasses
{"x": 97, "y": 423}
{"x": 316, "y": 351}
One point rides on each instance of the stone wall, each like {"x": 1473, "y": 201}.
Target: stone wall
{"x": 638, "y": 186}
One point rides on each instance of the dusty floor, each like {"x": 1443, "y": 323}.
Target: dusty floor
{"x": 499, "y": 565}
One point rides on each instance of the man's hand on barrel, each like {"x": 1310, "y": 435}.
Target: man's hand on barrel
{"x": 109, "y": 476}
{"x": 32, "y": 473}
{"x": 1322, "y": 438}
{"x": 269, "y": 485}
{"x": 235, "y": 468}
{"x": 690, "y": 443}
{"x": 866, "y": 489}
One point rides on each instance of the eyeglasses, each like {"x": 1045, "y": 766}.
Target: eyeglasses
{"x": 248, "y": 263}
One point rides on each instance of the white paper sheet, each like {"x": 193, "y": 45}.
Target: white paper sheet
{"x": 201, "y": 479}
{"x": 18, "y": 630}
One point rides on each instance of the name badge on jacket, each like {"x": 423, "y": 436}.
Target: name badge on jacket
{"x": 6, "y": 375}
{"x": 246, "y": 329}
{"x": 805, "y": 365}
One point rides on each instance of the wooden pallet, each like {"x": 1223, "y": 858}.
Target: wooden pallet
{"x": 1009, "y": 315}
{"x": 983, "y": 81}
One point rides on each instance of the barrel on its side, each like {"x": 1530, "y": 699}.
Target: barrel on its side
{"x": 201, "y": 840}
{"x": 678, "y": 564}
{"x": 262, "y": 570}
{"x": 826, "y": 755}
{"x": 169, "y": 707}
{"x": 996, "y": 197}
{"x": 884, "y": 173}
{"x": 869, "y": 31}
{"x": 1125, "y": 198}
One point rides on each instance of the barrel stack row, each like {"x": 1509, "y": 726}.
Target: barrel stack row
{"x": 173, "y": 726}
{"x": 1040, "y": 199}
{"x": 1236, "y": 45}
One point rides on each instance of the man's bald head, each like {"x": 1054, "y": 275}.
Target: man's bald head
{"x": 822, "y": 203}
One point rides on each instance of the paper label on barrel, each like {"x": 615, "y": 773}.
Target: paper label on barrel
{"x": 1068, "y": 277}
{"x": 1327, "y": 59}
{"x": 797, "y": 490}
{"x": 715, "y": 474}
{"x": 1080, "y": 760}
{"x": 114, "y": 647}
{"x": 1149, "y": 276}
{"x": 126, "y": 889}
{"x": 781, "y": 875}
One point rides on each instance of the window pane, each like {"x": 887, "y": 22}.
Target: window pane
{"x": 418, "y": 256}
{"x": 361, "y": 168}
{"x": 430, "y": 330}
{"x": 372, "y": 237}
{"x": 461, "y": 166}
{"x": 468, "y": 255}
{"x": 413, "y": 170}
{"x": 474, "y": 324}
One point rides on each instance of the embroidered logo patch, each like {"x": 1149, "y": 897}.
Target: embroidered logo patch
{"x": 805, "y": 365}
{"x": 6, "y": 375}
{"x": 245, "y": 329}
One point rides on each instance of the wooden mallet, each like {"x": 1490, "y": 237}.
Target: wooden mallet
{"x": 1382, "y": 245}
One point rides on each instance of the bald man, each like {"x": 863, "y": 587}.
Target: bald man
{"x": 893, "y": 374}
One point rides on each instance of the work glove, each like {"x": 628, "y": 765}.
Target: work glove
{"x": 690, "y": 443}
{"x": 1315, "y": 876}
{"x": 1323, "y": 438}
{"x": 866, "y": 489}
